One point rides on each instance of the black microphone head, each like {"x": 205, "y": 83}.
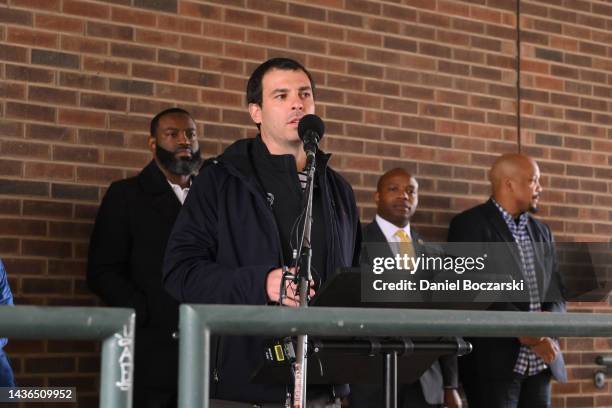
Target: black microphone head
{"x": 311, "y": 123}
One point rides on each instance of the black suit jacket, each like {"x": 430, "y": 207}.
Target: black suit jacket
{"x": 496, "y": 357}
{"x": 442, "y": 372}
{"x": 125, "y": 269}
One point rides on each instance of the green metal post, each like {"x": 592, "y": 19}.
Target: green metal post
{"x": 114, "y": 325}
{"x": 194, "y": 365}
{"x": 117, "y": 373}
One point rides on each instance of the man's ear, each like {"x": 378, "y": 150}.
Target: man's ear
{"x": 255, "y": 112}
{"x": 509, "y": 184}
{"x": 152, "y": 143}
{"x": 376, "y": 197}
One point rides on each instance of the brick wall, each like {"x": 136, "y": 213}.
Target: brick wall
{"x": 430, "y": 85}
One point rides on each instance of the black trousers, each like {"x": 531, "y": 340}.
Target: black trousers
{"x": 517, "y": 392}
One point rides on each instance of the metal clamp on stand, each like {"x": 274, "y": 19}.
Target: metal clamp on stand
{"x": 599, "y": 379}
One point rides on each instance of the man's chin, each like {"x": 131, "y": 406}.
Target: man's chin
{"x": 533, "y": 209}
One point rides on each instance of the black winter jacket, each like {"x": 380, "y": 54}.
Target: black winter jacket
{"x": 224, "y": 243}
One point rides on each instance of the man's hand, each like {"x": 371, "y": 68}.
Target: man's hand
{"x": 452, "y": 399}
{"x": 273, "y": 282}
{"x": 547, "y": 350}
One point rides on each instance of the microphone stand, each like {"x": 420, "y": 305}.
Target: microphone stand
{"x": 304, "y": 277}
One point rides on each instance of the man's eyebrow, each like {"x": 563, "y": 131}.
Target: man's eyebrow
{"x": 305, "y": 88}
{"x": 279, "y": 90}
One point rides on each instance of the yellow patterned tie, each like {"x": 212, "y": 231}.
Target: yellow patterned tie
{"x": 405, "y": 243}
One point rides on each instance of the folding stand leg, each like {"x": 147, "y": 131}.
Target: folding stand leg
{"x": 390, "y": 379}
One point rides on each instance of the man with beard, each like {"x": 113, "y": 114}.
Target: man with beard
{"x": 233, "y": 237}
{"x": 127, "y": 246}
{"x": 397, "y": 198}
{"x": 514, "y": 372}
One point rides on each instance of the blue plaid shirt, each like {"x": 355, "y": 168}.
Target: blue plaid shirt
{"x": 527, "y": 363}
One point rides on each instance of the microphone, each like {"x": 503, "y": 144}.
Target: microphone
{"x": 311, "y": 129}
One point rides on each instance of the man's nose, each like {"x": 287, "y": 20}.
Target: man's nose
{"x": 296, "y": 103}
{"x": 183, "y": 138}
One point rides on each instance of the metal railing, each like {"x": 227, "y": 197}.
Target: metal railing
{"x": 197, "y": 322}
{"x": 114, "y": 326}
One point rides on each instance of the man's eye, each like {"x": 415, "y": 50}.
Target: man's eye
{"x": 281, "y": 96}
{"x": 306, "y": 94}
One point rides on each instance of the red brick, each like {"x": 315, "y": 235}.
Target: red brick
{"x": 82, "y": 81}
{"x": 67, "y": 230}
{"x": 24, "y": 149}
{"x": 51, "y": 5}
{"x": 23, "y": 227}
{"x": 52, "y": 95}
{"x": 30, "y": 112}
{"x": 75, "y": 154}
{"x": 346, "y": 19}
{"x": 98, "y": 175}
{"x": 10, "y": 207}
{"x": 133, "y": 17}
{"x": 32, "y": 37}
{"x": 381, "y": 118}
{"x": 345, "y": 50}
{"x": 13, "y": 16}
{"x": 83, "y": 45}
{"x": 12, "y": 91}
{"x": 59, "y": 23}
{"x": 11, "y": 53}
{"x": 51, "y": 249}
{"x": 209, "y": 46}
{"x": 47, "y": 209}
{"x": 176, "y": 92}
{"x": 74, "y": 192}
{"x": 106, "y": 102}
{"x": 178, "y": 24}
{"x": 157, "y": 38}
{"x": 86, "y": 9}
{"x": 132, "y": 52}
{"x": 82, "y": 118}
{"x": 103, "y": 65}
{"x": 50, "y": 171}
{"x": 129, "y": 159}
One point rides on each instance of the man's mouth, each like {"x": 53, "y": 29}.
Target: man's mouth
{"x": 405, "y": 208}
{"x": 183, "y": 152}
{"x": 295, "y": 120}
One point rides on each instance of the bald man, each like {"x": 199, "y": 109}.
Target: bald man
{"x": 397, "y": 198}
{"x": 514, "y": 372}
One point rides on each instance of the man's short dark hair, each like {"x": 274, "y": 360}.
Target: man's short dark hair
{"x": 155, "y": 120}
{"x": 254, "y": 86}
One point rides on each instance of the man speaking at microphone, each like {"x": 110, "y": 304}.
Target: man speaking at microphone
{"x": 236, "y": 230}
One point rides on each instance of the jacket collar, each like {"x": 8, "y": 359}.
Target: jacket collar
{"x": 238, "y": 157}
{"x": 154, "y": 182}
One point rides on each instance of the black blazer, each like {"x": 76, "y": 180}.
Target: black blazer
{"x": 497, "y": 356}
{"x": 442, "y": 372}
{"x": 125, "y": 269}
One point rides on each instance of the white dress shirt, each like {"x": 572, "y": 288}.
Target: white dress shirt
{"x": 388, "y": 229}
{"x": 181, "y": 193}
